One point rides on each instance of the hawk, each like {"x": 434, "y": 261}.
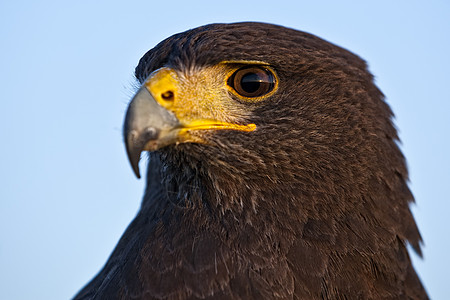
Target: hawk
{"x": 274, "y": 173}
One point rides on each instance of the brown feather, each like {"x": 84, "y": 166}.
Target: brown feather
{"x": 311, "y": 205}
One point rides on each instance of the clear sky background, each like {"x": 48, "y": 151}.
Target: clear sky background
{"x": 67, "y": 192}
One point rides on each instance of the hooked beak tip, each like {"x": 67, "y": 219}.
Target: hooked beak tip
{"x": 133, "y": 151}
{"x": 148, "y": 126}
{"x": 136, "y": 143}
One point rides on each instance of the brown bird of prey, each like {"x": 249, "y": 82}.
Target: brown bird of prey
{"x": 274, "y": 173}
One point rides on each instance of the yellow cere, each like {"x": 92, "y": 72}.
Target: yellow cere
{"x": 199, "y": 99}
{"x": 161, "y": 82}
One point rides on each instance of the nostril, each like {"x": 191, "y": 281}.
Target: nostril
{"x": 168, "y": 96}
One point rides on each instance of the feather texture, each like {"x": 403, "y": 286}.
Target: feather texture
{"x": 314, "y": 204}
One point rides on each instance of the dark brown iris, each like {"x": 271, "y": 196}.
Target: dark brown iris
{"x": 252, "y": 81}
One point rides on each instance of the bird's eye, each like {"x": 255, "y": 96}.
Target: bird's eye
{"x": 252, "y": 81}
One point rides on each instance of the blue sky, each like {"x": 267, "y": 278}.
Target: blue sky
{"x": 66, "y": 75}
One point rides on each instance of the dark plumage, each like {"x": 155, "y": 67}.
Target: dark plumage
{"x": 312, "y": 204}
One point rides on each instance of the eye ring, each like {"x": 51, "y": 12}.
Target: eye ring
{"x": 252, "y": 81}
